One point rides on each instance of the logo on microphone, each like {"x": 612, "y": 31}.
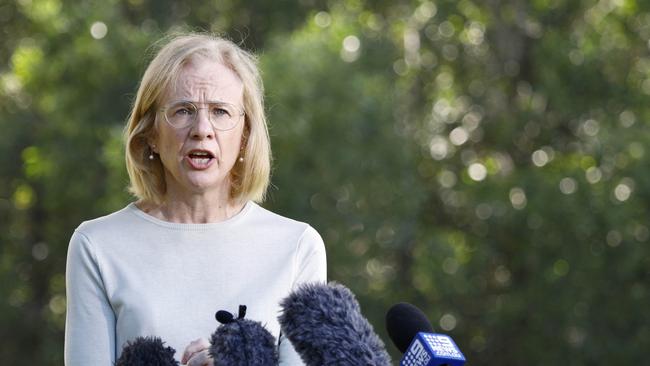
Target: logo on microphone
{"x": 443, "y": 346}
{"x": 430, "y": 349}
{"x": 416, "y": 355}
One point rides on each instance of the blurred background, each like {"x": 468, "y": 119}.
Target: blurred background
{"x": 484, "y": 160}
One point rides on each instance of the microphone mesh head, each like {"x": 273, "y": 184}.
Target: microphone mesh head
{"x": 243, "y": 342}
{"x": 403, "y": 322}
{"x": 325, "y": 325}
{"x": 144, "y": 351}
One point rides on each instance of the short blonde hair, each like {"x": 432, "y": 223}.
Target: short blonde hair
{"x": 250, "y": 178}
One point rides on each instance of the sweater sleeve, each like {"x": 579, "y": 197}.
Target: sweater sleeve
{"x": 90, "y": 320}
{"x": 310, "y": 266}
{"x": 311, "y": 263}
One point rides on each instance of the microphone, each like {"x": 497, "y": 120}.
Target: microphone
{"x": 147, "y": 351}
{"x": 403, "y": 322}
{"x": 412, "y": 334}
{"x": 325, "y": 326}
{"x": 242, "y": 342}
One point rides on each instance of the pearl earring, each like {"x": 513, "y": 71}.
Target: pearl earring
{"x": 241, "y": 159}
{"x": 151, "y": 157}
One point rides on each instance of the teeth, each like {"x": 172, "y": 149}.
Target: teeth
{"x": 201, "y": 160}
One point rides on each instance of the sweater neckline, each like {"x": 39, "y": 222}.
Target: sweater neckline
{"x": 183, "y": 226}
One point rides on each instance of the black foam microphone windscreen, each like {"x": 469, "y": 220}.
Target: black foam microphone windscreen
{"x": 403, "y": 322}
{"x": 242, "y": 342}
{"x": 147, "y": 351}
{"x": 325, "y": 325}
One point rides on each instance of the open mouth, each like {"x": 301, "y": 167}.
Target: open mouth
{"x": 200, "y": 159}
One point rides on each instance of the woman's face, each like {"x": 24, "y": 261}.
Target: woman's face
{"x": 198, "y": 158}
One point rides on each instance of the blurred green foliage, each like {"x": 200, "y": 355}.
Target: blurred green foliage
{"x": 484, "y": 160}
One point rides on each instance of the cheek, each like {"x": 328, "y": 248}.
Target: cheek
{"x": 169, "y": 143}
{"x": 230, "y": 149}
{"x": 233, "y": 143}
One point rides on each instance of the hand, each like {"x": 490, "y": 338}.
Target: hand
{"x": 196, "y": 354}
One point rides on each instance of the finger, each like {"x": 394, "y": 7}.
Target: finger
{"x": 195, "y": 346}
{"x": 200, "y": 359}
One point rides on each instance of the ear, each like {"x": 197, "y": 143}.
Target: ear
{"x": 152, "y": 138}
{"x": 153, "y": 144}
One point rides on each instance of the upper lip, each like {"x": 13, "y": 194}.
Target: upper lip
{"x": 201, "y": 151}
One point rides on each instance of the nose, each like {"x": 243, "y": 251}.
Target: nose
{"x": 202, "y": 128}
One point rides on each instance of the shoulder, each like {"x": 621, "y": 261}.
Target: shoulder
{"x": 262, "y": 216}
{"x": 108, "y": 225}
{"x": 271, "y": 221}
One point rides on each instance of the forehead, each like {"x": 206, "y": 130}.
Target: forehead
{"x": 201, "y": 79}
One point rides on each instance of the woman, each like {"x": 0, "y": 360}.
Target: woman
{"x": 198, "y": 157}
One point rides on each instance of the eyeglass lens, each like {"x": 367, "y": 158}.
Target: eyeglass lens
{"x": 223, "y": 116}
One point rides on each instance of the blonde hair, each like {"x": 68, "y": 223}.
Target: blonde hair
{"x": 250, "y": 178}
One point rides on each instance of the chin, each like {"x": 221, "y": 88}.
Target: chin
{"x": 198, "y": 182}
{"x": 205, "y": 184}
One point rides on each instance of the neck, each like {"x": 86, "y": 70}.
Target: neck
{"x": 200, "y": 208}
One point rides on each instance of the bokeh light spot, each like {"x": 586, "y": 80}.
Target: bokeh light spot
{"x": 475, "y": 33}
{"x": 484, "y": 211}
{"x": 518, "y": 198}
{"x": 446, "y": 29}
{"x": 636, "y": 150}
{"x": 438, "y": 148}
{"x": 561, "y": 267}
{"x": 502, "y": 275}
{"x": 448, "y": 322}
{"x": 351, "y": 48}
{"x": 627, "y": 118}
{"x": 568, "y": 185}
{"x": 425, "y": 11}
{"x": 591, "y": 127}
{"x": 351, "y": 43}
{"x": 323, "y": 19}
{"x": 24, "y": 197}
{"x": 540, "y": 158}
{"x": 450, "y": 266}
{"x": 614, "y": 238}
{"x": 458, "y": 136}
{"x": 447, "y": 178}
{"x": 477, "y": 172}
{"x": 40, "y": 251}
{"x": 593, "y": 175}
{"x": 57, "y": 304}
{"x": 622, "y": 192}
{"x": 98, "y": 30}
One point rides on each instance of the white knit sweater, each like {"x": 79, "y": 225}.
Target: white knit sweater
{"x": 130, "y": 274}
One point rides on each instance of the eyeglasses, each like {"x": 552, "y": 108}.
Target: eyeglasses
{"x": 182, "y": 114}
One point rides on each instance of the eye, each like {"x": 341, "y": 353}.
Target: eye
{"x": 182, "y": 110}
{"x": 220, "y": 111}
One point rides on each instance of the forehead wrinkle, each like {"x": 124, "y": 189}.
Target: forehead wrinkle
{"x": 192, "y": 85}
